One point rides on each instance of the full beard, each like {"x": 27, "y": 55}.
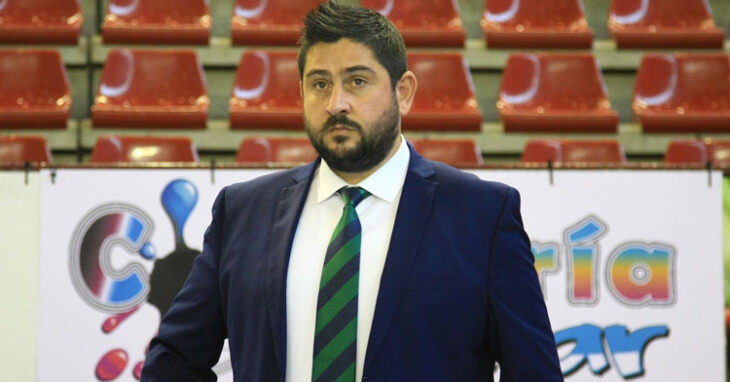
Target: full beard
{"x": 372, "y": 149}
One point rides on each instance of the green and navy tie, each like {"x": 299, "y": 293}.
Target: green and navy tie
{"x": 336, "y": 329}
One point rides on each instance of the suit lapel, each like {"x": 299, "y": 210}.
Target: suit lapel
{"x": 413, "y": 213}
{"x": 288, "y": 209}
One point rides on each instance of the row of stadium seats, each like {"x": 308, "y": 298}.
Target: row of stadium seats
{"x": 110, "y": 149}
{"x": 540, "y": 92}
{"x": 431, "y": 23}
{"x": 167, "y": 89}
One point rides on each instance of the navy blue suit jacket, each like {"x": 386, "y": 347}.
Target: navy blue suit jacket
{"x": 459, "y": 290}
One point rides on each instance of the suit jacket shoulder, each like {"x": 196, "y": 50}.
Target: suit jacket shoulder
{"x": 265, "y": 189}
{"x": 461, "y": 186}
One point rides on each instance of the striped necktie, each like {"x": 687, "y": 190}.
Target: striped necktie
{"x": 336, "y": 329}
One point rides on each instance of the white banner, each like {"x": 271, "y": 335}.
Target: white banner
{"x": 631, "y": 267}
{"x": 19, "y": 235}
{"x": 630, "y": 263}
{"x": 103, "y": 232}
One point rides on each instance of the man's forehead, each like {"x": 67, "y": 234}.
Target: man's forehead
{"x": 342, "y": 56}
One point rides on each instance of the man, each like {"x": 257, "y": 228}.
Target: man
{"x": 371, "y": 264}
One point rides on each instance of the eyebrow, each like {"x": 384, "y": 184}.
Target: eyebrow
{"x": 352, "y": 69}
{"x": 317, "y": 72}
{"x": 359, "y": 68}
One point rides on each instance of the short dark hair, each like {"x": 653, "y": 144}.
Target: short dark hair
{"x": 331, "y": 22}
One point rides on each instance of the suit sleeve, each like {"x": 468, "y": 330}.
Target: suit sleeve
{"x": 191, "y": 334}
{"x": 520, "y": 336}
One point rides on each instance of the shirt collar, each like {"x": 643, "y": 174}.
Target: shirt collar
{"x": 385, "y": 183}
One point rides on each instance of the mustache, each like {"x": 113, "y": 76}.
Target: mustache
{"x": 340, "y": 119}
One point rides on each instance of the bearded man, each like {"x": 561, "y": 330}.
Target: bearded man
{"x": 369, "y": 264}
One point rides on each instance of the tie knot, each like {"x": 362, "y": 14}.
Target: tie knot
{"x": 353, "y": 195}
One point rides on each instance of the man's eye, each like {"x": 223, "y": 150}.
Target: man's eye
{"x": 320, "y": 85}
{"x": 358, "y": 82}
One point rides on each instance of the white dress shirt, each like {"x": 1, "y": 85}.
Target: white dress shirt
{"x": 322, "y": 210}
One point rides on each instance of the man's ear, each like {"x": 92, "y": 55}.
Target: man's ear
{"x": 301, "y": 89}
{"x": 405, "y": 90}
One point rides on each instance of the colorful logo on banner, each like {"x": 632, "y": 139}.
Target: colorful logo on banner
{"x": 625, "y": 348}
{"x": 119, "y": 291}
{"x": 637, "y": 275}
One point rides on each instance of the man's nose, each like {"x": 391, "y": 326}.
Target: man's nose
{"x": 339, "y": 102}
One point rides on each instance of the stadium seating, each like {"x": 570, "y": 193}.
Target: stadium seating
{"x": 686, "y": 151}
{"x": 157, "y": 22}
{"x": 423, "y": 23}
{"x": 269, "y": 22}
{"x": 34, "y": 90}
{"x": 536, "y": 24}
{"x": 664, "y": 24}
{"x": 151, "y": 89}
{"x": 546, "y": 92}
{"x": 699, "y": 152}
{"x": 266, "y": 92}
{"x": 445, "y": 99}
{"x": 574, "y": 151}
{"x": 109, "y": 148}
{"x": 718, "y": 152}
{"x": 451, "y": 151}
{"x": 683, "y": 93}
{"x": 276, "y": 150}
{"x": 40, "y": 21}
{"x": 24, "y": 148}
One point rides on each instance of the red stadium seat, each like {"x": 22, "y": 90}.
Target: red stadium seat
{"x": 555, "y": 93}
{"x": 266, "y": 92}
{"x": 536, "y": 24}
{"x": 543, "y": 150}
{"x": 109, "y": 148}
{"x": 269, "y": 22}
{"x": 451, "y": 151}
{"x": 34, "y": 90}
{"x": 40, "y": 21}
{"x": 699, "y": 152}
{"x": 445, "y": 98}
{"x": 151, "y": 89}
{"x": 686, "y": 151}
{"x": 427, "y": 23}
{"x": 263, "y": 150}
{"x": 157, "y": 22}
{"x": 24, "y": 148}
{"x": 664, "y": 24}
{"x": 683, "y": 93}
{"x": 574, "y": 151}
